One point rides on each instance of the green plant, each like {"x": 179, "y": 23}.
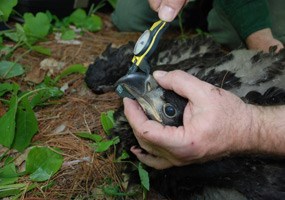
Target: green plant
{"x": 6, "y": 7}
{"x": 19, "y": 123}
{"x": 80, "y": 19}
{"x": 41, "y": 164}
{"x": 17, "y": 127}
{"x": 107, "y": 121}
{"x": 100, "y": 145}
{"x": 10, "y": 69}
{"x": 28, "y": 34}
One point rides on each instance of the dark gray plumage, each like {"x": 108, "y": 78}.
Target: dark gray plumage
{"x": 257, "y": 78}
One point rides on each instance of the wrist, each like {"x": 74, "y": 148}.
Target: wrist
{"x": 262, "y": 40}
{"x": 247, "y": 130}
{"x": 267, "y": 133}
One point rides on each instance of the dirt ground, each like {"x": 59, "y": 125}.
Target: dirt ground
{"x": 83, "y": 170}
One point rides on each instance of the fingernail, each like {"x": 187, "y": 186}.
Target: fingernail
{"x": 136, "y": 149}
{"x": 126, "y": 100}
{"x": 158, "y": 74}
{"x": 166, "y": 13}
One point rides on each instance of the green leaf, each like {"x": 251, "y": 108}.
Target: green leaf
{"x": 107, "y": 121}
{"x": 6, "y": 51}
{"x": 10, "y": 69}
{"x": 93, "y": 137}
{"x": 124, "y": 156}
{"x": 78, "y": 17}
{"x": 42, "y": 163}
{"x": 13, "y": 189}
{"x": 8, "y": 174}
{"x": 144, "y": 177}
{"x": 17, "y": 36}
{"x": 7, "y": 123}
{"x": 68, "y": 35}
{"x": 42, "y": 50}
{"x": 6, "y": 7}
{"x": 93, "y": 23}
{"x": 8, "y": 160}
{"x": 45, "y": 94}
{"x": 104, "y": 145}
{"x": 8, "y": 87}
{"x": 27, "y": 125}
{"x": 76, "y": 68}
{"x": 13, "y": 36}
{"x": 36, "y": 27}
{"x": 114, "y": 190}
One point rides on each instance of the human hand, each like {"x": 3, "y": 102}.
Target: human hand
{"x": 167, "y": 9}
{"x": 263, "y": 40}
{"x": 215, "y": 123}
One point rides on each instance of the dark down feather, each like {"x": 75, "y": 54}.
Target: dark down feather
{"x": 257, "y": 78}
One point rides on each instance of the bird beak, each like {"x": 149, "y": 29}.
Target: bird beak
{"x": 134, "y": 83}
{"x": 140, "y": 86}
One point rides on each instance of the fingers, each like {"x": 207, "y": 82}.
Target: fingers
{"x": 167, "y": 9}
{"x": 133, "y": 111}
{"x": 145, "y": 130}
{"x": 151, "y": 160}
{"x": 183, "y": 84}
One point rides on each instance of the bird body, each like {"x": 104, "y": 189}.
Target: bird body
{"x": 256, "y": 77}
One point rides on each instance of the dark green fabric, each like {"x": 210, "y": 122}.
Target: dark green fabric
{"x": 223, "y": 31}
{"x": 232, "y": 36}
{"x": 229, "y": 22}
{"x": 246, "y": 16}
{"x": 133, "y": 15}
{"x": 277, "y": 14}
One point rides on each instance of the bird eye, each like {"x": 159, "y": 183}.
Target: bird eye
{"x": 169, "y": 110}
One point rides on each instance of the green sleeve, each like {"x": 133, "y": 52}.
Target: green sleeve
{"x": 246, "y": 16}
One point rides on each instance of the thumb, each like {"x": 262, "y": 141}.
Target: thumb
{"x": 183, "y": 84}
{"x": 167, "y": 9}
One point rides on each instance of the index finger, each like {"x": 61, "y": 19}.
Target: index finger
{"x": 145, "y": 129}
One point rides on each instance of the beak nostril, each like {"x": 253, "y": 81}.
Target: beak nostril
{"x": 148, "y": 86}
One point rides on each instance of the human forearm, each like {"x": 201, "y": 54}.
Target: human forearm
{"x": 270, "y": 129}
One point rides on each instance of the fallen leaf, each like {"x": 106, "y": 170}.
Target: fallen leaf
{"x": 60, "y": 128}
{"x": 60, "y": 41}
{"x": 36, "y": 75}
{"x": 51, "y": 65}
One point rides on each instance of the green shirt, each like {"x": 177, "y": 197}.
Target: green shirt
{"x": 246, "y": 16}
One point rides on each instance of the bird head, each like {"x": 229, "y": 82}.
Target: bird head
{"x": 159, "y": 104}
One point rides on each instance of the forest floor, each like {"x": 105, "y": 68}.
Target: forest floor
{"x": 83, "y": 172}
